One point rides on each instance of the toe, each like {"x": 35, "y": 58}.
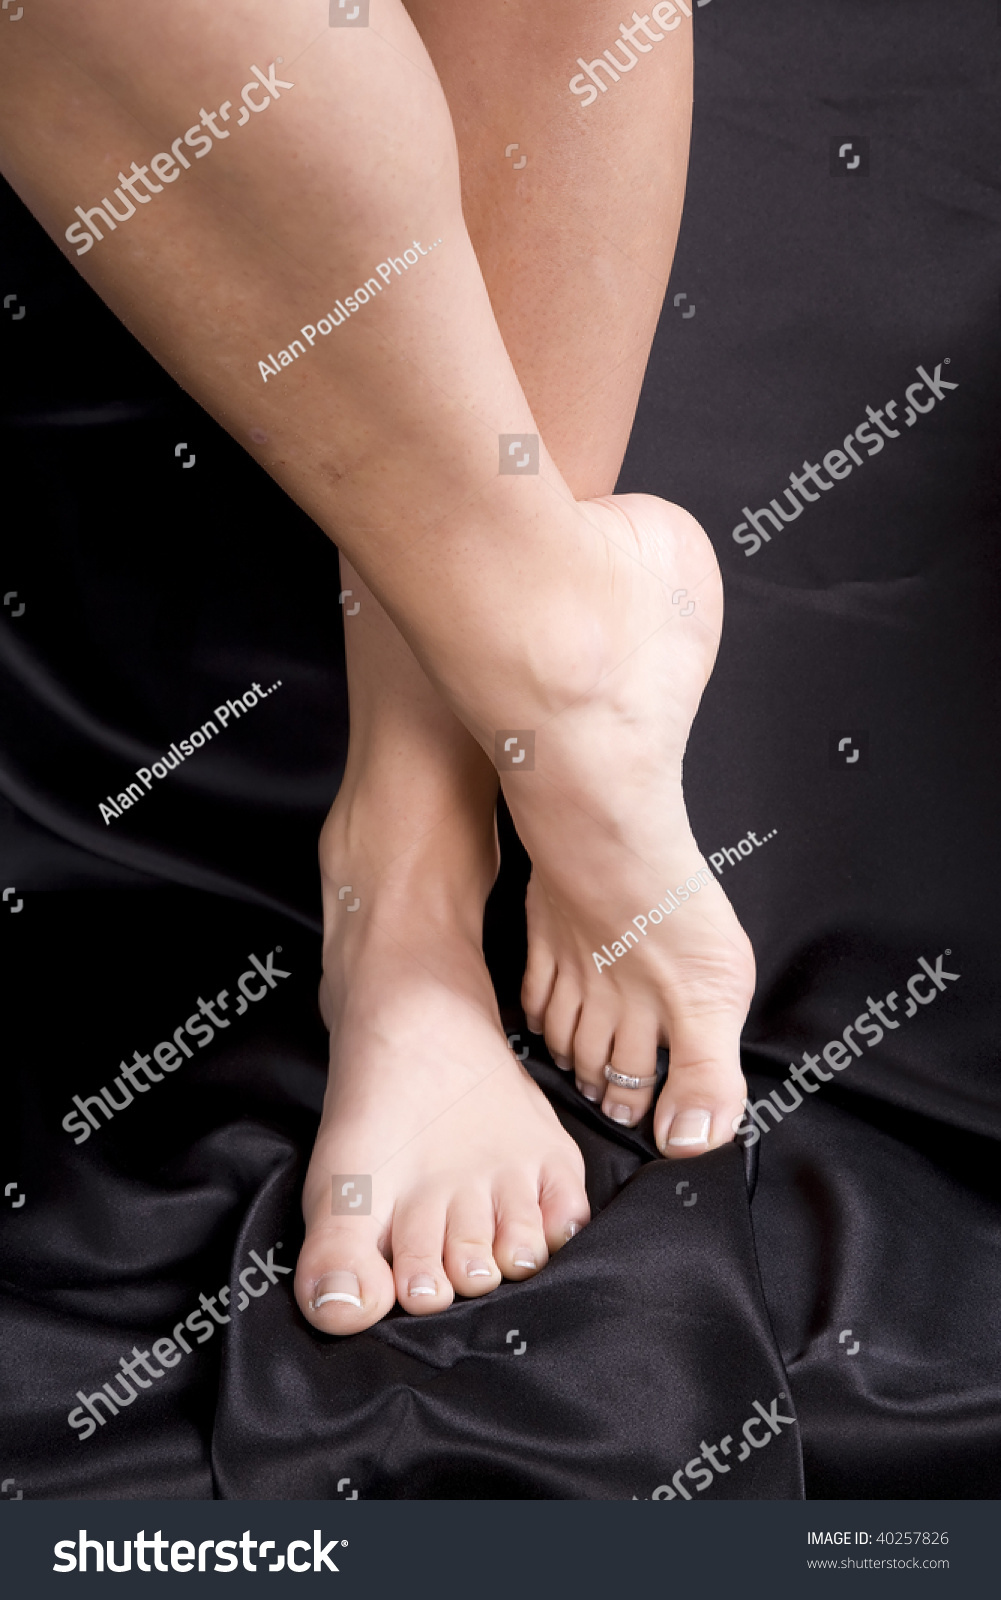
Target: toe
{"x": 422, "y": 1284}
{"x": 564, "y": 1205}
{"x": 469, "y": 1250}
{"x": 343, "y": 1283}
{"x": 592, "y": 1048}
{"x": 520, "y": 1247}
{"x": 561, "y": 1019}
{"x": 705, "y": 1088}
{"x": 634, "y": 1056}
{"x": 537, "y": 984}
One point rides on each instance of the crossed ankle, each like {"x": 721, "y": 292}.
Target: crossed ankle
{"x": 442, "y": 865}
{"x": 530, "y": 648}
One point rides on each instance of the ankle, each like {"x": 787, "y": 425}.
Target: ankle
{"x": 442, "y": 858}
{"x": 537, "y": 633}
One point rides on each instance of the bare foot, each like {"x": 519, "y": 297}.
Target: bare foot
{"x": 632, "y": 942}
{"x": 472, "y": 1176}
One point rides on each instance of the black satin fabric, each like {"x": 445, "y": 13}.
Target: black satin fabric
{"x": 855, "y": 1283}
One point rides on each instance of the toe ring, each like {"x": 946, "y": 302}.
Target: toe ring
{"x": 624, "y": 1081}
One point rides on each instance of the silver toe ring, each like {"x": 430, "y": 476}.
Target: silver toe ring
{"x": 624, "y": 1081}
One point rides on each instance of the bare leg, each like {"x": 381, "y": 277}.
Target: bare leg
{"x": 576, "y": 246}
{"x": 576, "y": 299}
{"x": 415, "y": 812}
{"x": 472, "y": 1175}
{"x": 388, "y": 432}
{"x": 543, "y": 606}
{"x": 575, "y": 255}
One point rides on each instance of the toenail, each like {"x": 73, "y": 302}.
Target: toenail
{"x": 525, "y": 1258}
{"x": 588, "y": 1091}
{"x": 422, "y": 1283}
{"x": 338, "y": 1286}
{"x": 620, "y": 1114}
{"x": 690, "y": 1127}
{"x": 479, "y": 1269}
{"x": 571, "y": 1229}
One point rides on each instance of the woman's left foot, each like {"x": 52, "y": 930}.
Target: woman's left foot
{"x": 439, "y": 1166}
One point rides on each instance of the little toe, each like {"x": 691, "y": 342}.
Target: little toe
{"x": 537, "y": 984}
{"x": 422, "y": 1284}
{"x": 564, "y": 1205}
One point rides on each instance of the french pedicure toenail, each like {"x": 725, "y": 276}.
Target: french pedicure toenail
{"x": 588, "y": 1091}
{"x": 342, "y": 1287}
{"x": 421, "y": 1283}
{"x": 620, "y": 1114}
{"x": 690, "y": 1128}
{"x": 479, "y": 1269}
{"x": 571, "y": 1230}
{"x": 526, "y": 1258}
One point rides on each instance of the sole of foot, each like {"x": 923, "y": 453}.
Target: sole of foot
{"x": 632, "y": 942}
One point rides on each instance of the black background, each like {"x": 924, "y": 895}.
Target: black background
{"x": 152, "y": 593}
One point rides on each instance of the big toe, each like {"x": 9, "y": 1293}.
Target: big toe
{"x": 343, "y": 1282}
{"x": 705, "y": 1088}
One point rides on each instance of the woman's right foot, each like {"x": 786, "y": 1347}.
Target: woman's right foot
{"x": 632, "y": 942}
